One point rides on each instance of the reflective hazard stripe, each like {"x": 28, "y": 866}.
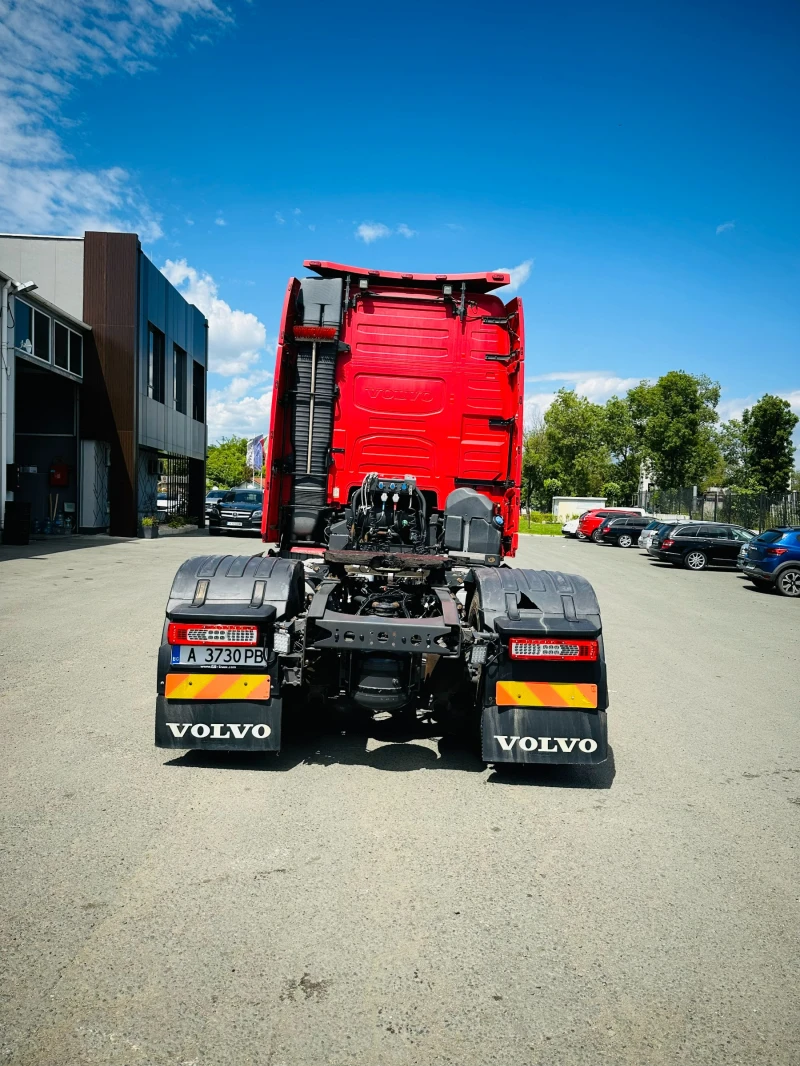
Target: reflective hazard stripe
{"x": 217, "y": 687}
{"x": 544, "y": 694}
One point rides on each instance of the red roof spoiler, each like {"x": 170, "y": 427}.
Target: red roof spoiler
{"x": 475, "y": 282}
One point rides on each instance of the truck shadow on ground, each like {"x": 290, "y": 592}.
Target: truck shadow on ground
{"x": 596, "y": 777}
{"x": 396, "y": 748}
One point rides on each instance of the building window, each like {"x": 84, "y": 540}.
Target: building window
{"x": 179, "y": 379}
{"x": 61, "y": 346}
{"x": 156, "y": 370}
{"x": 41, "y": 336}
{"x": 199, "y": 393}
{"x": 23, "y": 327}
{"x": 31, "y": 331}
{"x": 67, "y": 349}
{"x": 75, "y": 353}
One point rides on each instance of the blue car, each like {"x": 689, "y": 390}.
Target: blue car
{"x": 773, "y": 560}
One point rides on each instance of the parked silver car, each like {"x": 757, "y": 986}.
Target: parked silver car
{"x": 646, "y": 538}
{"x": 647, "y": 533}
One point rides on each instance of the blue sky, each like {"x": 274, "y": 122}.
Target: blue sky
{"x": 638, "y": 163}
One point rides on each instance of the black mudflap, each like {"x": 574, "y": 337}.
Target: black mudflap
{"x": 539, "y": 735}
{"x": 540, "y": 604}
{"x": 220, "y": 725}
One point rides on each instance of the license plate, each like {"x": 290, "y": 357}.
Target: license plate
{"x": 204, "y": 655}
{"x": 235, "y": 523}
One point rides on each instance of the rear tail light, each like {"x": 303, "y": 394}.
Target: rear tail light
{"x": 777, "y": 551}
{"x": 576, "y": 650}
{"x": 667, "y": 543}
{"x": 206, "y": 633}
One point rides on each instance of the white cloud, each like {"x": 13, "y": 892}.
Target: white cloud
{"x": 279, "y": 218}
{"x": 46, "y": 46}
{"x": 595, "y": 386}
{"x": 236, "y": 339}
{"x": 220, "y": 221}
{"x": 372, "y": 231}
{"x": 723, "y": 227}
{"x": 296, "y": 211}
{"x": 243, "y": 413}
{"x": 189, "y": 221}
{"x": 519, "y": 275}
{"x": 312, "y": 228}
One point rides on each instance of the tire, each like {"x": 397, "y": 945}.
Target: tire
{"x": 788, "y": 582}
{"x": 695, "y": 560}
{"x": 624, "y": 541}
{"x": 580, "y": 536}
{"x": 597, "y": 537}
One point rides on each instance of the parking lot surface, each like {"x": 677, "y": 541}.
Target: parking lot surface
{"x": 360, "y": 901}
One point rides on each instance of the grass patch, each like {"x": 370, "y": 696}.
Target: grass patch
{"x": 548, "y": 529}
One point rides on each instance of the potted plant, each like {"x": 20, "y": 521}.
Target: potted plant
{"x": 149, "y": 527}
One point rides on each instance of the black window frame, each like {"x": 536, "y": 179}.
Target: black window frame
{"x": 198, "y": 391}
{"x": 17, "y": 324}
{"x": 74, "y": 349}
{"x": 40, "y": 324}
{"x": 57, "y": 326}
{"x": 38, "y": 330}
{"x": 683, "y": 531}
{"x": 75, "y": 353}
{"x": 179, "y": 378}
{"x": 156, "y": 364}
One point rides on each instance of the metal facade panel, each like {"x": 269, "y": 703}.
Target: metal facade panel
{"x": 161, "y": 426}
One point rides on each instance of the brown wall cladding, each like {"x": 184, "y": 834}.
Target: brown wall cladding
{"x": 110, "y": 304}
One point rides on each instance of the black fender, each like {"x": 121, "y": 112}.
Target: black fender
{"x": 515, "y": 602}
{"x": 228, "y": 589}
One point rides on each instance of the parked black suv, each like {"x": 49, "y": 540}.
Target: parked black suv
{"x": 238, "y": 510}
{"x": 702, "y": 544}
{"x": 624, "y": 532}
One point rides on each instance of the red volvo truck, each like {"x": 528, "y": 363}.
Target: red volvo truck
{"x": 392, "y": 508}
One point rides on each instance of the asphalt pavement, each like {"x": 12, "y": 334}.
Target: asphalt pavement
{"x": 361, "y": 901}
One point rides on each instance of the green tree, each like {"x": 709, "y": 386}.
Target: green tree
{"x": 534, "y": 463}
{"x": 226, "y": 463}
{"x": 576, "y": 451}
{"x": 767, "y": 430}
{"x": 795, "y": 483}
{"x": 679, "y": 439}
{"x": 624, "y": 434}
{"x": 733, "y": 468}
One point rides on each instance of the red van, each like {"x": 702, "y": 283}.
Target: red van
{"x": 590, "y": 520}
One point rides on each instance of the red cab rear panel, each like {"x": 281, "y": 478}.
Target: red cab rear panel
{"x": 425, "y": 385}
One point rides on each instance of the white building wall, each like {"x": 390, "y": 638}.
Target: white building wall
{"x": 54, "y": 263}
{"x": 566, "y": 506}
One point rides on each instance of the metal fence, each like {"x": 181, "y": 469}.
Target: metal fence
{"x": 751, "y": 510}
{"x": 173, "y": 482}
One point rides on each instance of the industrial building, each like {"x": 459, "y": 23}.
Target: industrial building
{"x": 104, "y": 369}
